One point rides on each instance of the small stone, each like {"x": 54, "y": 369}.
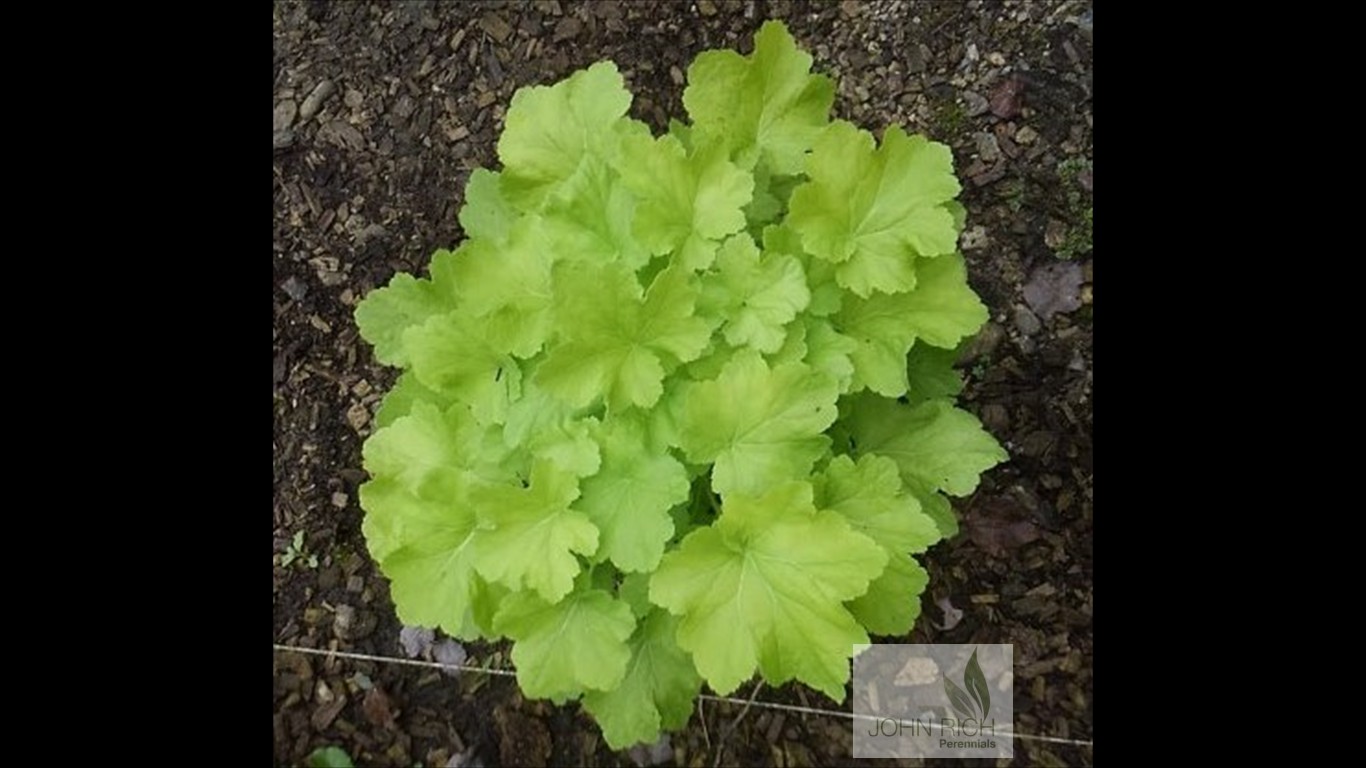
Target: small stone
{"x": 987, "y": 148}
{"x": 975, "y": 238}
{"x": 1006, "y": 99}
{"x": 358, "y": 416}
{"x": 326, "y": 713}
{"x": 706, "y": 7}
{"x": 339, "y": 500}
{"x": 995, "y": 418}
{"x": 285, "y": 113}
{"x": 496, "y": 27}
{"x": 996, "y": 59}
{"x": 1085, "y": 294}
{"x": 295, "y": 288}
{"x": 343, "y": 621}
{"x": 323, "y": 693}
{"x": 343, "y": 135}
{"x": 284, "y": 139}
{"x": 355, "y": 584}
{"x": 850, "y": 8}
{"x": 1026, "y": 135}
{"x": 952, "y": 614}
{"x": 975, "y": 103}
{"x": 361, "y": 388}
{"x": 315, "y": 100}
{"x": 915, "y": 59}
{"x": 676, "y": 75}
{"x": 1055, "y": 234}
{"x": 329, "y": 577}
{"x": 353, "y": 98}
{"x": 567, "y": 28}
{"x": 371, "y": 232}
{"x": 984, "y": 344}
{"x": 349, "y": 623}
{"x": 1026, "y": 321}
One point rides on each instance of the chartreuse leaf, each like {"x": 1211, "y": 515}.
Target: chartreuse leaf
{"x": 688, "y": 202}
{"x": 329, "y": 757}
{"x": 386, "y": 313}
{"x": 758, "y": 426}
{"x": 425, "y": 546}
{"x": 764, "y": 587}
{"x": 486, "y": 214}
{"x": 513, "y": 300}
{"x": 938, "y": 507}
{"x": 760, "y": 294}
{"x": 830, "y": 351}
{"x": 552, "y": 132}
{"x": 935, "y": 446}
{"x": 930, "y": 373}
{"x": 407, "y": 392}
{"x": 873, "y": 211}
{"x": 590, "y": 219}
{"x": 764, "y": 107}
{"x": 430, "y": 441}
{"x": 566, "y": 647}
{"x": 657, "y": 691}
{"x": 826, "y": 294}
{"x": 420, "y": 524}
{"x": 813, "y": 341}
{"x": 869, "y": 495}
{"x": 940, "y": 311}
{"x": 630, "y": 498}
{"x": 943, "y": 308}
{"x": 451, "y": 354}
{"x": 618, "y": 343}
{"x": 882, "y": 337}
{"x": 532, "y": 534}
{"x": 543, "y": 426}
{"x": 892, "y": 603}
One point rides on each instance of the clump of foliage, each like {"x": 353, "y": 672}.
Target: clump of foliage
{"x": 680, "y": 407}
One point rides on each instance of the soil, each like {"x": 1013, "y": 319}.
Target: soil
{"x": 382, "y": 111}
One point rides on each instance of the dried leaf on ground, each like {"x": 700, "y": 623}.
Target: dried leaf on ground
{"x": 1054, "y": 288}
{"x": 416, "y": 640}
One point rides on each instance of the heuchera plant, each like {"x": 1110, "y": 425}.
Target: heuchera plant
{"x": 679, "y": 409}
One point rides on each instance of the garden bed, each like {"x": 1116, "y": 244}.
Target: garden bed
{"x": 381, "y": 113}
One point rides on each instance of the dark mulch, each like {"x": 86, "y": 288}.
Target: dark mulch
{"x": 407, "y": 99}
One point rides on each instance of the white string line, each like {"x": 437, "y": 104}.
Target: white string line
{"x": 723, "y": 699}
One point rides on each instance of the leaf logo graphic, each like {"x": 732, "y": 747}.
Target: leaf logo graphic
{"x": 976, "y": 701}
